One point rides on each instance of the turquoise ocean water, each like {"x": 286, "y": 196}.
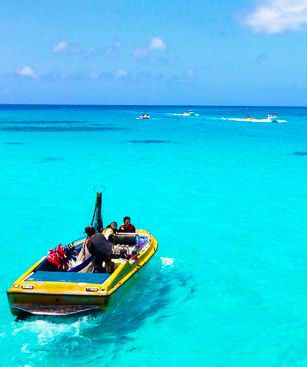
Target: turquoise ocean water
{"x": 226, "y": 200}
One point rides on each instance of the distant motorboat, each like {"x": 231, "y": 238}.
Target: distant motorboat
{"x": 189, "y": 113}
{"x": 272, "y": 117}
{"x": 144, "y": 116}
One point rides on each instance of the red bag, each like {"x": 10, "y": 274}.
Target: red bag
{"x": 58, "y": 258}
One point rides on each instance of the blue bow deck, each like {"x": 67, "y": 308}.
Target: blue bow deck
{"x": 59, "y": 276}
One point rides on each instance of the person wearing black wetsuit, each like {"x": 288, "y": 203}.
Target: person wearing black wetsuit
{"x": 100, "y": 248}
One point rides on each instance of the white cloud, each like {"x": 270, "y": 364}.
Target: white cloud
{"x": 157, "y": 43}
{"x": 117, "y": 44}
{"x": 121, "y": 73}
{"x": 140, "y": 52}
{"x": 73, "y": 49}
{"x": 277, "y": 16}
{"x": 93, "y": 75}
{"x": 190, "y": 73}
{"x": 114, "y": 49}
{"x": 60, "y": 47}
{"x": 27, "y": 71}
{"x": 88, "y": 50}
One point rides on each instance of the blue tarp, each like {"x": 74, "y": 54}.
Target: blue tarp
{"x": 59, "y": 276}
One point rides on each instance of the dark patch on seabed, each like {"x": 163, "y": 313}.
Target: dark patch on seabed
{"x": 51, "y": 159}
{"x": 149, "y": 294}
{"x": 42, "y": 122}
{"x": 300, "y": 153}
{"x": 48, "y": 129}
{"x": 14, "y": 143}
{"x": 150, "y": 141}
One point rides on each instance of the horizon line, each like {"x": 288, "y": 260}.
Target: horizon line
{"x": 142, "y": 105}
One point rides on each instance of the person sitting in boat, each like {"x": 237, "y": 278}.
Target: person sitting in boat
{"x": 145, "y": 116}
{"x": 110, "y": 231}
{"x": 100, "y": 249}
{"x": 127, "y": 226}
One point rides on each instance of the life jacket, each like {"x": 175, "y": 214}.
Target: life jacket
{"x": 131, "y": 228}
{"x": 109, "y": 233}
{"x": 58, "y": 258}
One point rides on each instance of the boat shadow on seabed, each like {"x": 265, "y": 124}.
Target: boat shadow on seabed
{"x": 159, "y": 291}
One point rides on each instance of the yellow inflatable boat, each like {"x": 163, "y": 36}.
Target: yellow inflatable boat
{"x": 41, "y": 290}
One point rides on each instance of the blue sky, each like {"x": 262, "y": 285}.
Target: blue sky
{"x": 154, "y": 52}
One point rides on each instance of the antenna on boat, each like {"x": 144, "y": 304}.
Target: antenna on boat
{"x": 97, "y": 215}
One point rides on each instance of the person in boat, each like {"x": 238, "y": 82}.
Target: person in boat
{"x": 145, "y": 116}
{"x": 127, "y": 226}
{"x": 100, "y": 249}
{"x": 110, "y": 231}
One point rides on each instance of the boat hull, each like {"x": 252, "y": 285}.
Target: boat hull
{"x": 36, "y": 304}
{"x": 31, "y": 294}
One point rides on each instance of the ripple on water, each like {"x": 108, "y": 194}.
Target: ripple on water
{"x": 51, "y": 159}
{"x": 150, "y": 141}
{"x": 14, "y": 143}
{"x": 49, "y": 129}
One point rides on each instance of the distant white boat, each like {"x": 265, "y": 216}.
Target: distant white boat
{"x": 144, "y": 116}
{"x": 189, "y": 113}
{"x": 272, "y": 117}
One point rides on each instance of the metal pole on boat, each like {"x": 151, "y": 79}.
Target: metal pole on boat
{"x": 99, "y": 211}
{"x": 97, "y": 215}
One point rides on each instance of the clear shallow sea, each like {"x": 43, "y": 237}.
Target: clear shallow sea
{"x": 226, "y": 200}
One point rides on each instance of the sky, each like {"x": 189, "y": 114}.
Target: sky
{"x": 162, "y": 52}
